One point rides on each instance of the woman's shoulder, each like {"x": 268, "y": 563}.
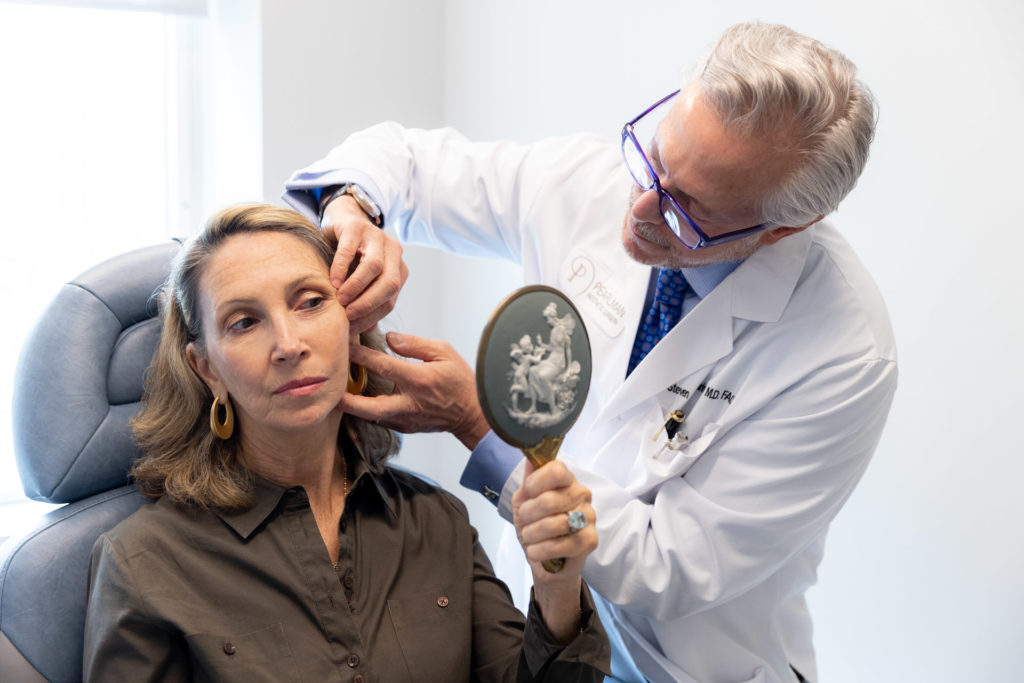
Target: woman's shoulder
{"x": 155, "y": 524}
{"x": 421, "y": 491}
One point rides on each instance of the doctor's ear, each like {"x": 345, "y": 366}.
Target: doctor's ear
{"x": 773, "y": 235}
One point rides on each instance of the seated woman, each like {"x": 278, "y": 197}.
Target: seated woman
{"x": 281, "y": 547}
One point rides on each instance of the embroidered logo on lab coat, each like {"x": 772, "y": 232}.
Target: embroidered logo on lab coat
{"x": 594, "y": 292}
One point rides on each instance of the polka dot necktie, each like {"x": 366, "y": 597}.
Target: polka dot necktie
{"x": 665, "y": 311}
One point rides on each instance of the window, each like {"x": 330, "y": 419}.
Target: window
{"x": 98, "y": 132}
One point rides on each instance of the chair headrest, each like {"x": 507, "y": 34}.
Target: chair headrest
{"x": 79, "y": 377}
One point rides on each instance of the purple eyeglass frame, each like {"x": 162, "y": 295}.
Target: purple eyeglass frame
{"x": 703, "y": 240}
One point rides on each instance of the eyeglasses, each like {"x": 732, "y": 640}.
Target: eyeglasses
{"x": 676, "y": 218}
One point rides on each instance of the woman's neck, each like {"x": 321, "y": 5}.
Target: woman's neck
{"x": 306, "y": 458}
{"x": 309, "y": 459}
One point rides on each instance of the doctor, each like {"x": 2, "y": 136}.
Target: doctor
{"x": 744, "y": 360}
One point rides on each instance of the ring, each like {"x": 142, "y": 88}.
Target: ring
{"x": 577, "y": 520}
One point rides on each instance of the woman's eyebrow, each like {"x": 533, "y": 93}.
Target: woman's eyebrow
{"x": 291, "y": 286}
{"x": 299, "y": 282}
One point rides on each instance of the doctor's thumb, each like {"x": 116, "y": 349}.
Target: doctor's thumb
{"x": 404, "y": 344}
{"x": 421, "y": 348}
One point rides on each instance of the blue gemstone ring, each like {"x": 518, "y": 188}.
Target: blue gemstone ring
{"x": 577, "y": 520}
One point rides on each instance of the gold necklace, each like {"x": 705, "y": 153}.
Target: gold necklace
{"x": 344, "y": 492}
{"x": 344, "y": 478}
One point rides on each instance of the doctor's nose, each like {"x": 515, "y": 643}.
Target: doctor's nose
{"x": 646, "y": 206}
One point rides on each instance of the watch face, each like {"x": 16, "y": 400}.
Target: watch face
{"x": 365, "y": 202}
{"x": 533, "y": 366}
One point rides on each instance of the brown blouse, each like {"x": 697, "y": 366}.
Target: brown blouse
{"x": 187, "y": 594}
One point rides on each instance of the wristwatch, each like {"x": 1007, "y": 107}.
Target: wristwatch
{"x": 364, "y": 201}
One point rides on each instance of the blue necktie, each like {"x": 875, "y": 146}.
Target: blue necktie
{"x": 665, "y": 311}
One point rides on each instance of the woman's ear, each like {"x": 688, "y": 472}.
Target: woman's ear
{"x": 201, "y": 364}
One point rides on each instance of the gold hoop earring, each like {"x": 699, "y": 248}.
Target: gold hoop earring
{"x": 357, "y": 384}
{"x": 222, "y": 430}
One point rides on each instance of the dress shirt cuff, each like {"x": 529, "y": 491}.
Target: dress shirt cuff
{"x": 589, "y": 647}
{"x": 300, "y": 189}
{"x": 512, "y": 484}
{"x": 490, "y": 466}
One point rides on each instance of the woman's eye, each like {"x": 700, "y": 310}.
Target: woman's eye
{"x": 242, "y": 324}
{"x": 312, "y": 302}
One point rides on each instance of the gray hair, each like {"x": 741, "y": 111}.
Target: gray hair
{"x": 768, "y": 80}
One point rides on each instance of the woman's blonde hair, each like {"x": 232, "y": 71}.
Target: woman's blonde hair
{"x": 181, "y": 458}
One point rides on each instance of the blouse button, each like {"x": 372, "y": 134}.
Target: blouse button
{"x": 349, "y": 582}
{"x": 442, "y": 601}
{"x": 353, "y": 660}
{"x": 358, "y": 678}
{"x": 229, "y": 648}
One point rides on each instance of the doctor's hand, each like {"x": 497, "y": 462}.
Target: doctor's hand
{"x": 540, "y": 512}
{"x": 435, "y": 395}
{"x": 368, "y": 269}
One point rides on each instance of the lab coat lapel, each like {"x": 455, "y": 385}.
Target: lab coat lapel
{"x": 699, "y": 339}
{"x": 757, "y": 291}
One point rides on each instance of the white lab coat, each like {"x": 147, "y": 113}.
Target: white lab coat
{"x": 785, "y": 371}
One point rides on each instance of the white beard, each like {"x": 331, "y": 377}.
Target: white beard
{"x": 670, "y": 253}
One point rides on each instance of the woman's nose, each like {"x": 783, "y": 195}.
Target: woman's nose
{"x": 288, "y": 345}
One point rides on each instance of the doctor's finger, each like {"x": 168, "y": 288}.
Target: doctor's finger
{"x": 386, "y": 410}
{"x": 378, "y": 297}
{"x": 422, "y": 348}
{"x": 363, "y": 251}
{"x": 395, "y": 370}
{"x": 366, "y": 323}
{"x": 348, "y": 234}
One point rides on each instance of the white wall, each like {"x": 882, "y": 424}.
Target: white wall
{"x": 922, "y": 578}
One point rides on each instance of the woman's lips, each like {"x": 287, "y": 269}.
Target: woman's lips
{"x": 300, "y": 387}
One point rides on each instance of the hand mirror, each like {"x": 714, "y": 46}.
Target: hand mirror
{"x": 533, "y": 373}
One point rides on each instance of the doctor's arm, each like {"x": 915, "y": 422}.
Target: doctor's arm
{"x": 433, "y": 187}
{"x": 422, "y": 183}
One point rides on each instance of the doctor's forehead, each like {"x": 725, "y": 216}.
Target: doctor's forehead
{"x": 717, "y": 169}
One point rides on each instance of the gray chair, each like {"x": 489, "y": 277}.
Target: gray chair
{"x": 78, "y": 382}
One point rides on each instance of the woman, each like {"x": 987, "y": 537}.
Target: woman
{"x": 280, "y": 546}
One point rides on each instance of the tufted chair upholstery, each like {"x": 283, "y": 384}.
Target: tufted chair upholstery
{"x": 78, "y": 382}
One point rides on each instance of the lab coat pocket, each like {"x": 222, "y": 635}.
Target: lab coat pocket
{"x": 434, "y": 630}
{"x": 759, "y": 677}
{"x": 260, "y": 655}
{"x": 676, "y": 456}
